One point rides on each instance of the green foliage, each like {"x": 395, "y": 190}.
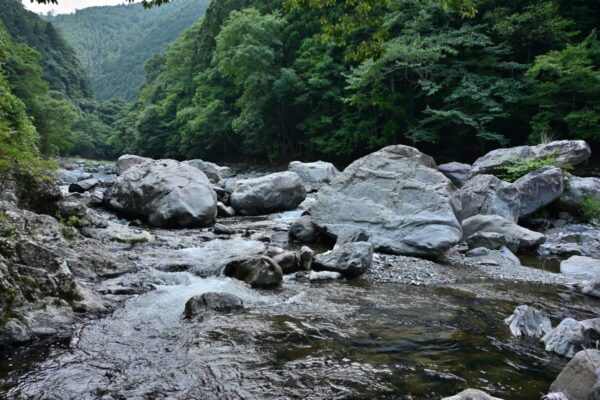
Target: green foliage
{"x": 519, "y": 168}
{"x": 590, "y": 209}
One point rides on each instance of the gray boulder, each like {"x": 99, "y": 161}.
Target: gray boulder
{"x": 259, "y": 272}
{"x": 67, "y": 177}
{"x": 211, "y": 170}
{"x": 315, "y": 175}
{"x": 83, "y": 186}
{"x": 539, "y": 188}
{"x": 127, "y": 161}
{"x": 492, "y": 241}
{"x": 472, "y": 394}
{"x": 579, "y": 379}
{"x": 568, "y": 152}
{"x": 398, "y": 197}
{"x": 349, "y": 259}
{"x": 488, "y": 195}
{"x": 576, "y": 190}
{"x": 304, "y": 230}
{"x": 281, "y": 191}
{"x": 166, "y": 193}
{"x": 288, "y": 261}
{"x": 570, "y": 336}
{"x": 457, "y": 172}
{"x": 493, "y": 223}
{"x": 581, "y": 266}
{"x": 219, "y": 302}
{"x": 529, "y": 322}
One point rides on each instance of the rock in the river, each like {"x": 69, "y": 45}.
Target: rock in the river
{"x": 167, "y": 193}
{"x": 259, "y": 272}
{"x": 306, "y": 258}
{"x": 576, "y": 191}
{"x": 211, "y": 170}
{"x": 493, "y": 223}
{"x": 539, "y": 188}
{"x": 568, "y": 152}
{"x": 323, "y": 276}
{"x": 224, "y": 211}
{"x": 315, "y": 175}
{"x": 83, "y": 186}
{"x": 349, "y": 259}
{"x": 220, "y": 229}
{"x": 570, "y": 336}
{"x": 288, "y": 261}
{"x": 281, "y": 191}
{"x": 529, "y": 322}
{"x": 304, "y": 230}
{"x": 488, "y": 195}
{"x": 581, "y": 266}
{"x": 580, "y": 378}
{"x": 492, "y": 241}
{"x": 398, "y": 197}
{"x": 219, "y": 302}
{"x": 457, "y": 172}
{"x": 472, "y": 394}
{"x": 127, "y": 161}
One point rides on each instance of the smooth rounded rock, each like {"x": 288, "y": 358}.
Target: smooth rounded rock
{"x": 212, "y": 301}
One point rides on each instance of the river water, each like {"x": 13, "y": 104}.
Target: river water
{"x": 336, "y": 340}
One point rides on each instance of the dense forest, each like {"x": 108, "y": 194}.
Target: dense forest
{"x": 114, "y": 43}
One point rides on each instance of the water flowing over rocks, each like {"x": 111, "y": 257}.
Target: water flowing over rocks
{"x": 539, "y": 189}
{"x": 580, "y": 378}
{"x": 315, "y": 175}
{"x": 568, "y": 152}
{"x": 488, "y": 195}
{"x": 166, "y": 193}
{"x": 259, "y": 272}
{"x": 398, "y": 197}
{"x": 529, "y": 322}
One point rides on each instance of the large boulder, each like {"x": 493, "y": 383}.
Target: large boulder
{"x": 576, "y": 191}
{"x": 315, "y": 175}
{"x": 457, "y": 172}
{"x": 529, "y": 322}
{"x": 493, "y": 223}
{"x": 570, "y": 336}
{"x": 258, "y": 272}
{"x": 281, "y": 191}
{"x": 488, "y": 195}
{"x": 564, "y": 152}
{"x": 398, "y": 197}
{"x": 219, "y": 302}
{"x": 580, "y": 379}
{"x": 581, "y": 266}
{"x": 472, "y": 394}
{"x": 166, "y": 193}
{"x": 349, "y": 259}
{"x": 127, "y": 161}
{"x": 211, "y": 170}
{"x": 539, "y": 188}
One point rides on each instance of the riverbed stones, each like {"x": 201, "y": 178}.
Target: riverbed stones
{"x": 398, "y": 197}
{"x": 576, "y": 191}
{"x": 83, "y": 186}
{"x": 494, "y": 223}
{"x": 581, "y": 266}
{"x": 539, "y": 189}
{"x": 563, "y": 152}
{"x": 126, "y": 161}
{"x": 258, "y": 272}
{"x": 315, "y": 175}
{"x": 580, "y": 378}
{"x": 488, "y": 195}
{"x": 349, "y": 259}
{"x": 570, "y": 336}
{"x": 166, "y": 193}
{"x": 219, "y": 302}
{"x": 281, "y": 191}
{"x": 528, "y": 322}
{"x": 472, "y": 394}
{"x": 304, "y": 230}
{"x": 457, "y": 172}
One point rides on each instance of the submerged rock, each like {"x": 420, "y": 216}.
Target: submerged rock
{"x": 167, "y": 193}
{"x": 529, "y": 322}
{"x": 576, "y": 191}
{"x": 539, "y": 189}
{"x": 472, "y": 394}
{"x": 315, "y": 175}
{"x": 580, "y": 378}
{"x": 282, "y": 191}
{"x": 488, "y": 195}
{"x": 570, "y": 336}
{"x": 581, "y": 266}
{"x": 569, "y": 152}
{"x": 218, "y": 302}
{"x": 259, "y": 272}
{"x": 398, "y": 197}
{"x": 349, "y": 259}
{"x": 512, "y": 232}
{"x": 457, "y": 172}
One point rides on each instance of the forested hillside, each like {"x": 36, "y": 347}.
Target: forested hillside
{"x": 115, "y": 42}
{"x": 256, "y": 80}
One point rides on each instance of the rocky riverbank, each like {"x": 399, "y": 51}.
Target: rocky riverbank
{"x": 318, "y": 266}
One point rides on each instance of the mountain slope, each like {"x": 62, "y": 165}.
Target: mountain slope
{"x": 114, "y": 43}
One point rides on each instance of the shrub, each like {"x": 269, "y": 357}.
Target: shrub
{"x": 519, "y": 168}
{"x": 590, "y": 208}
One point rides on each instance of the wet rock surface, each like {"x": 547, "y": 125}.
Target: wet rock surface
{"x": 528, "y": 322}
